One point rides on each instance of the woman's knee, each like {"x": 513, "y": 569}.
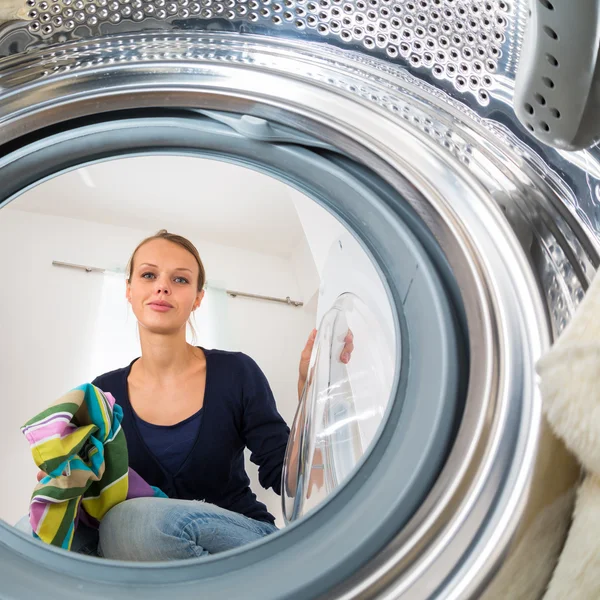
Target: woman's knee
{"x": 167, "y": 529}
{"x": 147, "y": 529}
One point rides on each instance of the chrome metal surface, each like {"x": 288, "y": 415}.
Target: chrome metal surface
{"x": 518, "y": 225}
{"x": 286, "y": 300}
{"x": 463, "y": 43}
{"x": 58, "y": 263}
{"x": 468, "y": 48}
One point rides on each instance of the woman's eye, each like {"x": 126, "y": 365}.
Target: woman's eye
{"x": 152, "y": 276}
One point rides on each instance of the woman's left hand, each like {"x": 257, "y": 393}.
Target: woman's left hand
{"x": 306, "y": 354}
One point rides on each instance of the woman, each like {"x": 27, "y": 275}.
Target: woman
{"x": 189, "y": 413}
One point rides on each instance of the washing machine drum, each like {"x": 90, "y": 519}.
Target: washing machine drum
{"x": 439, "y": 484}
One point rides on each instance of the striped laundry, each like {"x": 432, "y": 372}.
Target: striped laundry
{"x": 80, "y": 445}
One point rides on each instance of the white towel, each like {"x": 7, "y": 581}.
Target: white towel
{"x": 570, "y": 381}
{"x": 570, "y": 385}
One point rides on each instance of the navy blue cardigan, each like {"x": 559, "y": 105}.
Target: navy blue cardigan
{"x": 239, "y": 411}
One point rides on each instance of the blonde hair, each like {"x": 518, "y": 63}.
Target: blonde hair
{"x": 163, "y": 234}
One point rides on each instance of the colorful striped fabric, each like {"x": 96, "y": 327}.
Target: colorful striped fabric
{"x": 80, "y": 445}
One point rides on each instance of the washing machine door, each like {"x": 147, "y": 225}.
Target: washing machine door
{"x": 414, "y": 124}
{"x": 344, "y": 404}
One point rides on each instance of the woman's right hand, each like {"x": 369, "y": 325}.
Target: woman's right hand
{"x": 345, "y": 356}
{"x": 41, "y": 475}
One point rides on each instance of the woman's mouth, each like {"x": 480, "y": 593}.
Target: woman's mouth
{"x": 160, "y": 306}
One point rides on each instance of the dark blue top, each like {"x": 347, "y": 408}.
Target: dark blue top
{"x": 170, "y": 444}
{"x": 239, "y": 411}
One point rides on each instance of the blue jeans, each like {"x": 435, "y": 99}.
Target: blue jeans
{"x": 161, "y": 529}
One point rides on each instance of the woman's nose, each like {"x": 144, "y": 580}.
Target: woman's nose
{"x": 163, "y": 287}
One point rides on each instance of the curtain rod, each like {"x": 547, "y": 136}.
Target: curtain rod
{"x": 232, "y": 293}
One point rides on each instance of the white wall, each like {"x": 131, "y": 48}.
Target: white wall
{"x": 48, "y": 316}
{"x": 321, "y": 228}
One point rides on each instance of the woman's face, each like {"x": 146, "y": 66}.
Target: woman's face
{"x": 163, "y": 286}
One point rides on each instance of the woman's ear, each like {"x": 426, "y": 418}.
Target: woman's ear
{"x": 128, "y": 291}
{"x": 199, "y": 298}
